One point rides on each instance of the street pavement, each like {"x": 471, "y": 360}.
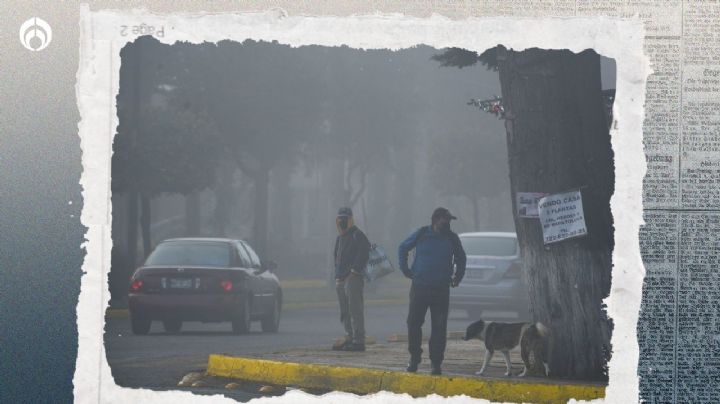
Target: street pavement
{"x": 159, "y": 361}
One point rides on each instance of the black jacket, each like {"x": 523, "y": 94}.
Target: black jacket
{"x": 352, "y": 250}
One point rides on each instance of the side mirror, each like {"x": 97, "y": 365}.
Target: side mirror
{"x": 268, "y": 265}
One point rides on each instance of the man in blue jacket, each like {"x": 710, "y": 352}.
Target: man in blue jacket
{"x": 437, "y": 251}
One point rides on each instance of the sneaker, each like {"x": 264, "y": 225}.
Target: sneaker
{"x": 341, "y": 346}
{"x": 435, "y": 369}
{"x": 412, "y": 365}
{"x": 355, "y": 347}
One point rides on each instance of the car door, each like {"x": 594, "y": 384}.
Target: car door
{"x": 265, "y": 292}
{"x": 247, "y": 266}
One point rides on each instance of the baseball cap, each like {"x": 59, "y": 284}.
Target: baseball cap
{"x": 345, "y": 211}
{"x": 442, "y": 212}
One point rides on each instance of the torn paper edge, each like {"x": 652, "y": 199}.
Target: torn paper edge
{"x": 97, "y": 88}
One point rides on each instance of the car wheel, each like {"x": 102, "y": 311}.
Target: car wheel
{"x": 140, "y": 325}
{"x": 271, "y": 322}
{"x": 172, "y": 326}
{"x": 241, "y": 322}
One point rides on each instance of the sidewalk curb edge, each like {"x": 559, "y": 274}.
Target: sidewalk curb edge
{"x": 367, "y": 381}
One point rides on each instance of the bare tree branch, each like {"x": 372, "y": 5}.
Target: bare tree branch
{"x": 348, "y": 186}
{"x": 361, "y": 190}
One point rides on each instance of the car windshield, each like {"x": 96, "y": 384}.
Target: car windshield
{"x": 485, "y": 245}
{"x": 205, "y": 254}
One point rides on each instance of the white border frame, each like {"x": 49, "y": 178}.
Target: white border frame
{"x": 97, "y": 86}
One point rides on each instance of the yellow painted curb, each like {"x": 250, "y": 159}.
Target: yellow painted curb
{"x": 365, "y": 381}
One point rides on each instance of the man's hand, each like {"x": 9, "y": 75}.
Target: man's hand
{"x": 354, "y": 272}
{"x": 455, "y": 282}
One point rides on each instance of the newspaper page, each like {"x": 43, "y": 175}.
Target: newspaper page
{"x": 678, "y": 331}
{"x": 678, "y": 328}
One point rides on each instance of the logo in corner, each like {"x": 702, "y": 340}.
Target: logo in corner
{"x": 35, "y": 34}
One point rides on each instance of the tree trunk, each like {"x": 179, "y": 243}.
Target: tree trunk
{"x": 334, "y": 178}
{"x": 132, "y": 228}
{"x": 558, "y": 140}
{"x": 282, "y": 206}
{"x": 132, "y": 231}
{"x": 223, "y": 197}
{"x": 364, "y": 216}
{"x": 145, "y": 224}
{"x": 378, "y": 195}
{"x": 347, "y": 184}
{"x": 192, "y": 214}
{"x": 476, "y": 212}
{"x": 262, "y": 183}
{"x": 403, "y": 195}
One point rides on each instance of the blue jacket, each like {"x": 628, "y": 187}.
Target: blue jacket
{"x": 435, "y": 255}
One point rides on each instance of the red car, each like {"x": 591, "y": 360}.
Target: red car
{"x": 206, "y": 280}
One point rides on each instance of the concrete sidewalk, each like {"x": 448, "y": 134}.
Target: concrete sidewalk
{"x": 382, "y": 367}
{"x": 461, "y": 358}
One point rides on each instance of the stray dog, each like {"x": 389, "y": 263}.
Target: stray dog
{"x": 506, "y": 336}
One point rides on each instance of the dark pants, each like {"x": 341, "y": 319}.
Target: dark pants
{"x": 437, "y": 299}
{"x": 350, "y": 296}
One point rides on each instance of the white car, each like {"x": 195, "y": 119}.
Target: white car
{"x": 493, "y": 280}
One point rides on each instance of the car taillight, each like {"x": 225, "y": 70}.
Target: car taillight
{"x": 136, "y": 285}
{"x": 226, "y": 285}
{"x": 514, "y": 272}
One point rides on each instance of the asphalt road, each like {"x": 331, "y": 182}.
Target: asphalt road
{"x": 159, "y": 360}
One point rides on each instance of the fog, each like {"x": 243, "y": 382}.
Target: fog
{"x": 212, "y": 138}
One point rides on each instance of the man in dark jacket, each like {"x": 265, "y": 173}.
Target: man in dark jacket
{"x": 437, "y": 251}
{"x": 352, "y": 250}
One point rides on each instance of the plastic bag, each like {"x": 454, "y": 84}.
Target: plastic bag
{"x": 378, "y": 265}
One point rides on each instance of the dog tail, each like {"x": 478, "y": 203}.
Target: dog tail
{"x": 542, "y": 330}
